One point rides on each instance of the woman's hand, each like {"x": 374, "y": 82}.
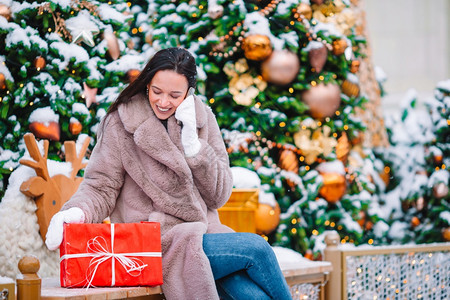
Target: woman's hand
{"x": 54, "y": 234}
{"x": 185, "y": 113}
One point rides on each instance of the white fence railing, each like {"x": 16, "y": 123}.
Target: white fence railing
{"x": 388, "y": 272}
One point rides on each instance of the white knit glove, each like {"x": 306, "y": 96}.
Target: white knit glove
{"x": 54, "y": 235}
{"x": 185, "y": 113}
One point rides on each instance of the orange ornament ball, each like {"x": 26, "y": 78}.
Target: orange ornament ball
{"x": 39, "y": 63}
{"x": 415, "y": 221}
{"x": 334, "y": 187}
{"x": 75, "y": 127}
{"x": 446, "y": 234}
{"x": 267, "y": 218}
{"x": 133, "y": 74}
{"x": 48, "y": 130}
{"x": 2, "y": 81}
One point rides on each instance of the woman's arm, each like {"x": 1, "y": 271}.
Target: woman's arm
{"x": 210, "y": 167}
{"x": 104, "y": 175}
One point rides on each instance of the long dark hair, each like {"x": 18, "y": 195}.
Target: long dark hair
{"x": 175, "y": 59}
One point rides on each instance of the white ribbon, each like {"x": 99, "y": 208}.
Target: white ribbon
{"x": 100, "y": 253}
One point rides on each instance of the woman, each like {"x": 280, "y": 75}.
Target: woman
{"x": 161, "y": 158}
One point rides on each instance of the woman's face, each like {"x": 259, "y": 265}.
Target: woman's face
{"x": 166, "y": 91}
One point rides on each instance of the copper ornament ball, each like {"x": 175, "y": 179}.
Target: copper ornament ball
{"x": 440, "y": 190}
{"x": 39, "y": 63}
{"x": 281, "y": 67}
{"x": 318, "y": 58}
{"x": 257, "y": 47}
{"x": 323, "y": 100}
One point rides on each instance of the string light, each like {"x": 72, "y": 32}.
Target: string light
{"x": 311, "y": 35}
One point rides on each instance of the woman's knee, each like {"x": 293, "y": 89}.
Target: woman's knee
{"x": 258, "y": 245}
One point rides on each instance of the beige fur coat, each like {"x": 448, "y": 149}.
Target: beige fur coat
{"x": 138, "y": 172}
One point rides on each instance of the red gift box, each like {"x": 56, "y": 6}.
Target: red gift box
{"x": 122, "y": 254}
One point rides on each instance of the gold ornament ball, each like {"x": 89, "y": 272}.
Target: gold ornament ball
{"x": 39, "y": 63}
{"x": 305, "y": 10}
{"x": 281, "y": 67}
{"x": 267, "y": 218}
{"x": 339, "y": 47}
{"x": 440, "y": 190}
{"x": 446, "y": 234}
{"x": 288, "y": 161}
{"x": 257, "y": 47}
{"x": 323, "y": 99}
{"x": 334, "y": 187}
{"x": 354, "y": 67}
{"x": 5, "y": 12}
{"x": 2, "y": 81}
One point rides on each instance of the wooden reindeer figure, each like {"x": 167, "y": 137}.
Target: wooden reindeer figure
{"x": 51, "y": 193}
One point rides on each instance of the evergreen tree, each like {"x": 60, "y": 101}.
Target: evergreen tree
{"x": 281, "y": 77}
{"x": 61, "y": 64}
{"x": 418, "y": 158}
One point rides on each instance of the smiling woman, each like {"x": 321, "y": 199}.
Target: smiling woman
{"x": 161, "y": 158}
{"x": 166, "y": 91}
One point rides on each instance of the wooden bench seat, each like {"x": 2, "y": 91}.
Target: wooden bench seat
{"x": 51, "y": 290}
{"x": 295, "y": 274}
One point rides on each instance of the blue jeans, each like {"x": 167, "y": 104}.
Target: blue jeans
{"x": 244, "y": 267}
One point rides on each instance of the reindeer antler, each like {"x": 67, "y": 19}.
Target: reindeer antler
{"x": 40, "y": 162}
{"x": 76, "y": 160}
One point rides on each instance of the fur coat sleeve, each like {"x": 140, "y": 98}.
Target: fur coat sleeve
{"x": 103, "y": 178}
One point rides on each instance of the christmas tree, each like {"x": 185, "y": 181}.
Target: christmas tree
{"x": 61, "y": 65}
{"x": 418, "y": 196}
{"x": 282, "y": 78}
